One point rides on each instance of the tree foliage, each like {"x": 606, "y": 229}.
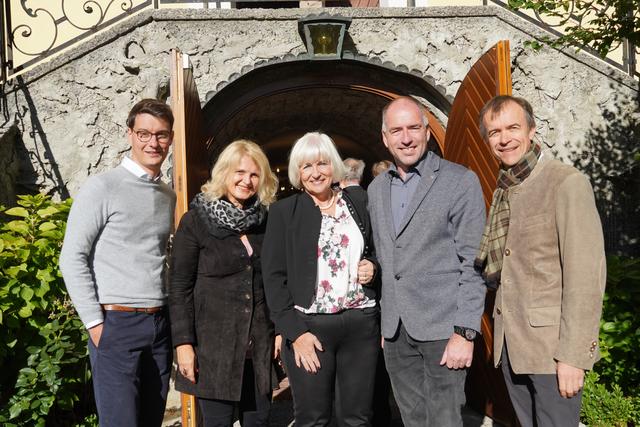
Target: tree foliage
{"x": 599, "y": 24}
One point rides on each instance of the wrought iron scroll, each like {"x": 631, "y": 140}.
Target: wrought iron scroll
{"x": 570, "y": 16}
{"x": 94, "y": 13}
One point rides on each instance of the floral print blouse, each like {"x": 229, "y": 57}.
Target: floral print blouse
{"x": 340, "y": 247}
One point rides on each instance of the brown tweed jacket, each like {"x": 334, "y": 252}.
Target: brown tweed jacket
{"x": 549, "y": 302}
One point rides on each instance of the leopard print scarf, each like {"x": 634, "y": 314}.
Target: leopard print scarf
{"x": 221, "y": 213}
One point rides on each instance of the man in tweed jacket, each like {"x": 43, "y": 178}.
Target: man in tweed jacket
{"x": 427, "y": 216}
{"x": 544, "y": 251}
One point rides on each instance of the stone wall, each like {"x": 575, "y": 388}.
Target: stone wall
{"x": 70, "y": 113}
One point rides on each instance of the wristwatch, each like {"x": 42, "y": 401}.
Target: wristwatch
{"x": 466, "y": 333}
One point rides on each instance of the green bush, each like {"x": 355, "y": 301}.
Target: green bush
{"x": 602, "y": 407}
{"x": 44, "y": 378}
{"x": 620, "y": 326}
{"x": 611, "y": 391}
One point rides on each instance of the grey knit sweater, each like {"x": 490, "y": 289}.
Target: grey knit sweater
{"x": 115, "y": 243}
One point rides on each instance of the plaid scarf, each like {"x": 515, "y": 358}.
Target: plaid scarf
{"x": 494, "y": 237}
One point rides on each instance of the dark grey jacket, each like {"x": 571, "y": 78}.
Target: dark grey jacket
{"x": 428, "y": 278}
{"x": 217, "y": 303}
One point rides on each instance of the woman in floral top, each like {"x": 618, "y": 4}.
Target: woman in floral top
{"x": 318, "y": 266}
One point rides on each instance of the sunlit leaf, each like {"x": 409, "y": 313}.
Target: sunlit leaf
{"x": 15, "y": 410}
{"x": 48, "y": 211}
{"x": 47, "y": 226}
{"x": 17, "y": 211}
{"x": 25, "y": 312}
{"x": 26, "y": 293}
{"x": 19, "y": 227}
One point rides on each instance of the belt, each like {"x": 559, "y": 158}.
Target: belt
{"x": 115, "y": 307}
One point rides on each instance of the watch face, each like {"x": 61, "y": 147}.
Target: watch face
{"x": 470, "y": 334}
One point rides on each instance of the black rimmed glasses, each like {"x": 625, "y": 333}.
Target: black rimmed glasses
{"x": 163, "y": 137}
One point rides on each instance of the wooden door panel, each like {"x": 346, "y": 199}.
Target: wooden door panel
{"x": 488, "y": 77}
{"x": 190, "y": 162}
{"x": 190, "y": 156}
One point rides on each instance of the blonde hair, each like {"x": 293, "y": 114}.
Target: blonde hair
{"x": 310, "y": 147}
{"x": 216, "y": 187}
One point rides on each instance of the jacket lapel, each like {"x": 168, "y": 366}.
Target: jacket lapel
{"x": 429, "y": 173}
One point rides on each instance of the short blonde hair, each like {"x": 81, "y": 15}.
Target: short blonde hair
{"x": 216, "y": 187}
{"x": 311, "y": 147}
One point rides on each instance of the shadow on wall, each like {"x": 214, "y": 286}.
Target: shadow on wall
{"x": 611, "y": 158}
{"x": 9, "y": 165}
{"x": 28, "y": 179}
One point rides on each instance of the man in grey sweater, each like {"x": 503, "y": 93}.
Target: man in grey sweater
{"x": 113, "y": 262}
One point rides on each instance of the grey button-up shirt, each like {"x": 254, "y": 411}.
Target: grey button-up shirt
{"x": 402, "y": 191}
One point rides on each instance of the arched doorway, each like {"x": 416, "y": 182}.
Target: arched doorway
{"x": 274, "y": 104}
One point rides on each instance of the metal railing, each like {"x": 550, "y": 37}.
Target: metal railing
{"x": 30, "y": 35}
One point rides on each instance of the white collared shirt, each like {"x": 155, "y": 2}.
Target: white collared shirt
{"x": 138, "y": 170}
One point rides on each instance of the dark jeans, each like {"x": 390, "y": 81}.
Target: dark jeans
{"x": 254, "y": 408}
{"x": 351, "y": 342}
{"x": 537, "y": 400}
{"x": 427, "y": 394}
{"x": 131, "y": 368}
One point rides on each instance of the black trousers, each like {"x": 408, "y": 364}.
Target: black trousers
{"x": 253, "y": 407}
{"x": 381, "y": 395}
{"x": 537, "y": 400}
{"x": 351, "y": 342}
{"x": 131, "y": 368}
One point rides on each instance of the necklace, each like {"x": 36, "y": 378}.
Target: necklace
{"x": 327, "y": 205}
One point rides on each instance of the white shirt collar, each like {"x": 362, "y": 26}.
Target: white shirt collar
{"x": 138, "y": 170}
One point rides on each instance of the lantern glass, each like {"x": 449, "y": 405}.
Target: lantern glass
{"x": 325, "y": 39}
{"x": 323, "y": 35}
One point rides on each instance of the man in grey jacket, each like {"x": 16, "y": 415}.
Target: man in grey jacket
{"x": 427, "y": 216}
{"x": 113, "y": 262}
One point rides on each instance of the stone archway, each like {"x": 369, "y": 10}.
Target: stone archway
{"x": 275, "y": 104}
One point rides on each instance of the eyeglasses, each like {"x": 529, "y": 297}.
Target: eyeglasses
{"x": 163, "y": 137}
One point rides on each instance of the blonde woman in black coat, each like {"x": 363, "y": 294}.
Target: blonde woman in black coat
{"x": 220, "y": 325}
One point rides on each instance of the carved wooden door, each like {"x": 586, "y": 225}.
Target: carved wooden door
{"x": 190, "y": 161}
{"x": 488, "y": 77}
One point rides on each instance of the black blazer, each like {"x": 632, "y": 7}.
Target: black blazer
{"x": 290, "y": 255}
{"x": 217, "y": 304}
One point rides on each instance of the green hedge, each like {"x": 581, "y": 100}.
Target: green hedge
{"x": 611, "y": 392}
{"x": 45, "y": 378}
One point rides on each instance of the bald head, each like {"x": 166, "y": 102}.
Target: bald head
{"x": 404, "y": 102}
